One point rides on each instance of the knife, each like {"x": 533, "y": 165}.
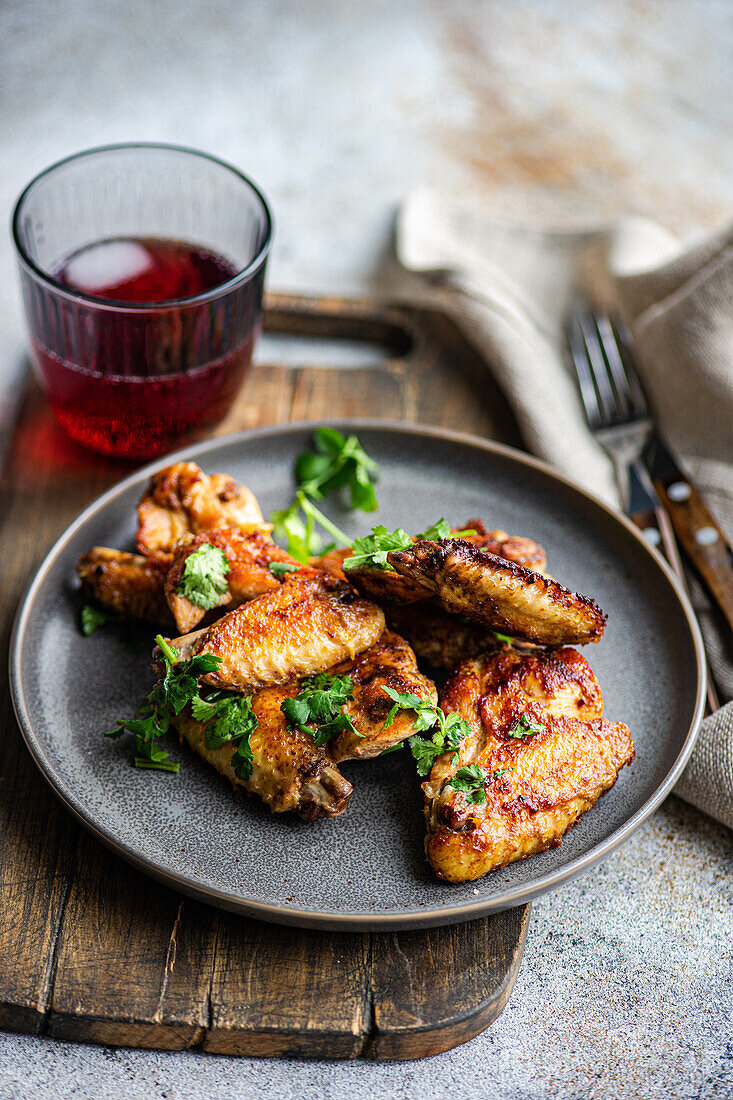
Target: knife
{"x": 699, "y": 535}
{"x": 646, "y": 510}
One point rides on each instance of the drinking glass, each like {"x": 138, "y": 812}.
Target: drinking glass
{"x": 136, "y": 378}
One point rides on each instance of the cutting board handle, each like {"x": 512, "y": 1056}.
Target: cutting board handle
{"x": 363, "y": 319}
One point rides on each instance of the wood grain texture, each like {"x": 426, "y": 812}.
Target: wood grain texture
{"x": 93, "y": 951}
{"x": 703, "y": 541}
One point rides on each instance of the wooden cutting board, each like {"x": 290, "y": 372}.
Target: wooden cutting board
{"x": 93, "y": 951}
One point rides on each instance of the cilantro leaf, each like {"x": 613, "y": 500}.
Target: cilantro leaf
{"x": 316, "y": 709}
{"x": 280, "y": 568}
{"x": 393, "y": 748}
{"x": 470, "y": 780}
{"x": 439, "y": 530}
{"x": 288, "y": 527}
{"x": 229, "y": 718}
{"x": 448, "y": 729}
{"x": 503, "y": 771}
{"x": 525, "y": 727}
{"x": 203, "y": 581}
{"x": 178, "y": 685}
{"x": 371, "y": 551}
{"x": 336, "y": 462}
{"x": 92, "y": 617}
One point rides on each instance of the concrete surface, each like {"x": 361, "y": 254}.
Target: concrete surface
{"x": 552, "y": 112}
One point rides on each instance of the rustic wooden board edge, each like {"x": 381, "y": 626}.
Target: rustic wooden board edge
{"x": 416, "y": 1041}
{"x": 370, "y": 1041}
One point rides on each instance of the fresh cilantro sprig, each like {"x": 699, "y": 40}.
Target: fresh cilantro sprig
{"x": 204, "y": 577}
{"x": 229, "y": 719}
{"x": 448, "y": 729}
{"x": 316, "y": 709}
{"x": 525, "y": 727}
{"x": 280, "y": 568}
{"x": 370, "y": 551}
{"x": 178, "y": 685}
{"x": 337, "y": 462}
{"x": 470, "y": 780}
{"x": 296, "y": 525}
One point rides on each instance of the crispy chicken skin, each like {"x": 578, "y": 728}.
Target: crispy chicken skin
{"x": 289, "y": 771}
{"x": 306, "y": 625}
{"x": 514, "y": 548}
{"x": 389, "y": 663}
{"x": 249, "y": 555}
{"x": 557, "y": 775}
{"x": 181, "y": 501}
{"x": 441, "y": 639}
{"x": 500, "y": 594}
{"x": 130, "y": 584}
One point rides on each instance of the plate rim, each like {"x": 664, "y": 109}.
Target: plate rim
{"x": 361, "y": 921}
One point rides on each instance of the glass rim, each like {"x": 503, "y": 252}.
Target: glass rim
{"x": 241, "y": 276}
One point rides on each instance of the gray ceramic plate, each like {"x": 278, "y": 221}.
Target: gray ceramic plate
{"x": 365, "y": 869}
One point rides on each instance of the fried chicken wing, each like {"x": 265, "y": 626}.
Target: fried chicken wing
{"x": 441, "y": 639}
{"x": 181, "y": 501}
{"x": 388, "y": 663}
{"x": 392, "y": 589}
{"x": 249, "y": 555}
{"x": 130, "y": 584}
{"x": 500, "y": 594}
{"x": 546, "y": 753}
{"x": 306, "y": 625}
{"x": 289, "y": 771}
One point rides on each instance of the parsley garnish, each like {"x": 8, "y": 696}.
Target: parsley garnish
{"x": 203, "y": 580}
{"x": 525, "y": 727}
{"x": 370, "y": 551}
{"x": 229, "y": 719}
{"x": 296, "y": 525}
{"x": 316, "y": 709}
{"x": 447, "y": 736}
{"x": 503, "y": 638}
{"x": 92, "y": 618}
{"x": 280, "y": 568}
{"x": 471, "y": 780}
{"x": 337, "y": 462}
{"x": 503, "y": 771}
{"x": 178, "y": 686}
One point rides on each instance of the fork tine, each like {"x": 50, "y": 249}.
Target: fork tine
{"x": 579, "y": 355}
{"x": 598, "y": 368}
{"x": 617, "y": 374}
{"x": 622, "y": 343}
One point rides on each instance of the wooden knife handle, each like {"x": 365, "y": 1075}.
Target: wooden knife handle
{"x": 657, "y": 530}
{"x": 701, "y": 539}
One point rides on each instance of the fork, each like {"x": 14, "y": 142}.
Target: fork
{"x": 618, "y": 416}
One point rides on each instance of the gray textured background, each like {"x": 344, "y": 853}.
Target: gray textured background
{"x": 552, "y": 112}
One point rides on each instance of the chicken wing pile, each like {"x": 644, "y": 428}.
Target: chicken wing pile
{"x": 320, "y": 663}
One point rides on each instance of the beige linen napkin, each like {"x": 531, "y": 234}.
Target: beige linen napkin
{"x": 510, "y": 287}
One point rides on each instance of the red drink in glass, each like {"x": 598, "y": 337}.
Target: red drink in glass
{"x": 140, "y": 341}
